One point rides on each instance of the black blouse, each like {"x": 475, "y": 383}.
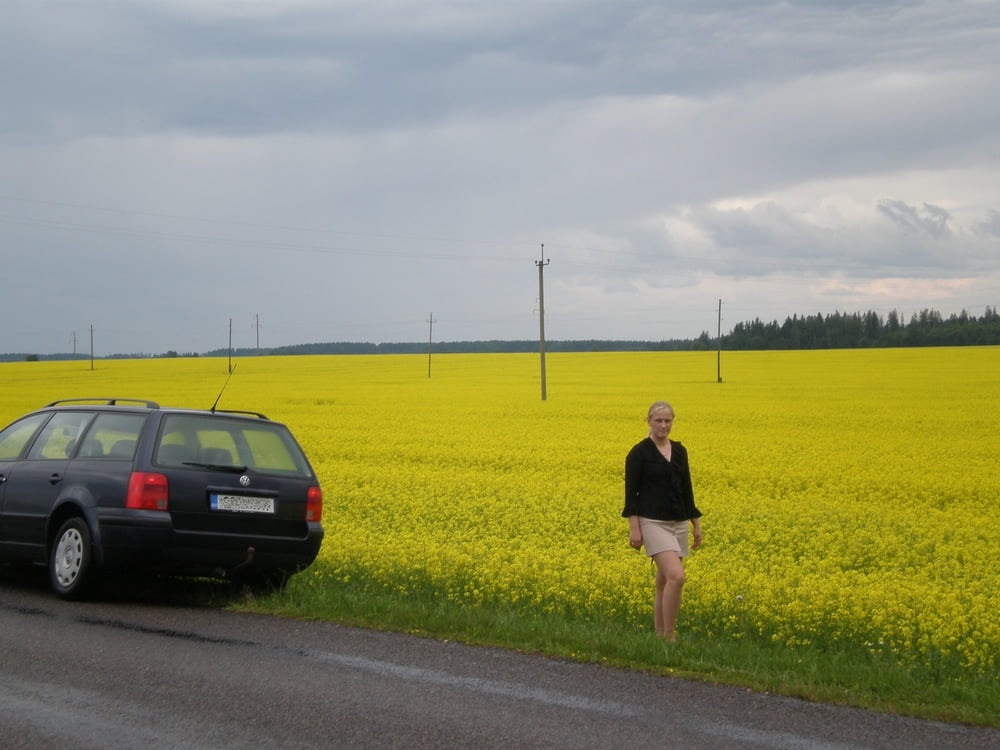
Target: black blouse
{"x": 658, "y": 488}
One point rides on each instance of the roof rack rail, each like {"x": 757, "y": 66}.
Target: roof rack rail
{"x": 245, "y": 413}
{"x": 109, "y": 401}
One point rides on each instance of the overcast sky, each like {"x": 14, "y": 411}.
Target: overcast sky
{"x": 342, "y": 170}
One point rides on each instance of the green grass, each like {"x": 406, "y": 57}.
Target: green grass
{"x": 846, "y": 676}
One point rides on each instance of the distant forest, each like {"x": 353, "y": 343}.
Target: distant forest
{"x": 834, "y": 331}
{"x": 859, "y": 330}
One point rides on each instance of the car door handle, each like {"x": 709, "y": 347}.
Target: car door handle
{"x": 55, "y": 478}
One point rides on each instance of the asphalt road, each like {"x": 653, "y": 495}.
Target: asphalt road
{"x": 145, "y": 668}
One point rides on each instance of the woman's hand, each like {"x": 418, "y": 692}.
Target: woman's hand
{"x": 635, "y": 538}
{"x": 696, "y": 533}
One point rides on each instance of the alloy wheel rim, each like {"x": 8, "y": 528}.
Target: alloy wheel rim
{"x": 69, "y": 557}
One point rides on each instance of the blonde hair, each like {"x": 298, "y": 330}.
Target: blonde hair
{"x": 656, "y": 406}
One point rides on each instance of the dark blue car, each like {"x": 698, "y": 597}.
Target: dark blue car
{"x": 89, "y": 487}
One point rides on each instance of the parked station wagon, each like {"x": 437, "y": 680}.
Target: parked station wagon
{"x": 90, "y": 487}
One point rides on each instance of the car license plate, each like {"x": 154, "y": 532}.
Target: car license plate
{"x": 242, "y": 503}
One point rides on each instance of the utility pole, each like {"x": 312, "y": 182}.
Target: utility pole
{"x": 230, "y": 346}
{"x": 257, "y": 326}
{"x": 430, "y": 344}
{"x": 718, "y": 352}
{"x": 91, "y": 346}
{"x": 541, "y": 313}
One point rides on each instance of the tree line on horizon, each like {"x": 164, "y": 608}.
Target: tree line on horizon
{"x": 833, "y": 331}
{"x": 864, "y": 330}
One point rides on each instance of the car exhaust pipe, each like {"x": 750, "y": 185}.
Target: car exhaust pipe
{"x": 224, "y": 573}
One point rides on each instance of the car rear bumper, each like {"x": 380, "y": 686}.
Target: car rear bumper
{"x": 129, "y": 539}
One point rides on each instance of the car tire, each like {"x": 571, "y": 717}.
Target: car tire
{"x": 71, "y": 562}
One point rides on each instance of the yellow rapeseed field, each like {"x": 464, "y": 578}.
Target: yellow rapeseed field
{"x": 850, "y": 497}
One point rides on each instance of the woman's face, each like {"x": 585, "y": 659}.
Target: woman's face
{"x": 660, "y": 422}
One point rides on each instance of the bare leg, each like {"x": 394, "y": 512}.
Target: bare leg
{"x": 669, "y": 585}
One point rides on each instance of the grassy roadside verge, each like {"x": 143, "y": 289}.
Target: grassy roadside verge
{"x": 845, "y": 677}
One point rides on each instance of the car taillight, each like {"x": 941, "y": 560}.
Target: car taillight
{"x": 314, "y": 504}
{"x": 147, "y": 491}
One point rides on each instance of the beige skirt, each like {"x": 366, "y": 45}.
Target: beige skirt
{"x": 661, "y": 536}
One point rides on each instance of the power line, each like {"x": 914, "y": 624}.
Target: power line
{"x": 254, "y": 224}
{"x": 245, "y": 243}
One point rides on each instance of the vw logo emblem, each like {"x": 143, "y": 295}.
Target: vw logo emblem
{"x": 244, "y": 481}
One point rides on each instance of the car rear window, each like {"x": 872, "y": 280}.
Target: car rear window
{"x": 213, "y": 440}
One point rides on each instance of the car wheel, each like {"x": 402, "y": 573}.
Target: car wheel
{"x": 71, "y": 568}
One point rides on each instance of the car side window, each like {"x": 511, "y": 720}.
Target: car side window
{"x": 60, "y": 438}
{"x": 14, "y": 437}
{"x": 117, "y": 434}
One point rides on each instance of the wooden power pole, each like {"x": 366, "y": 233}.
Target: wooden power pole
{"x": 718, "y": 351}
{"x": 541, "y": 314}
{"x": 430, "y": 343}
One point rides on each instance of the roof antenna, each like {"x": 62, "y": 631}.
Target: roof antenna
{"x": 223, "y": 389}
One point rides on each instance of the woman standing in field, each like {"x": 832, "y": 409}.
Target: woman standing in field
{"x": 659, "y": 504}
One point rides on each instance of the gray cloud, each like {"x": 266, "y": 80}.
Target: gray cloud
{"x": 343, "y": 169}
{"x": 930, "y": 220}
{"x": 990, "y": 227}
